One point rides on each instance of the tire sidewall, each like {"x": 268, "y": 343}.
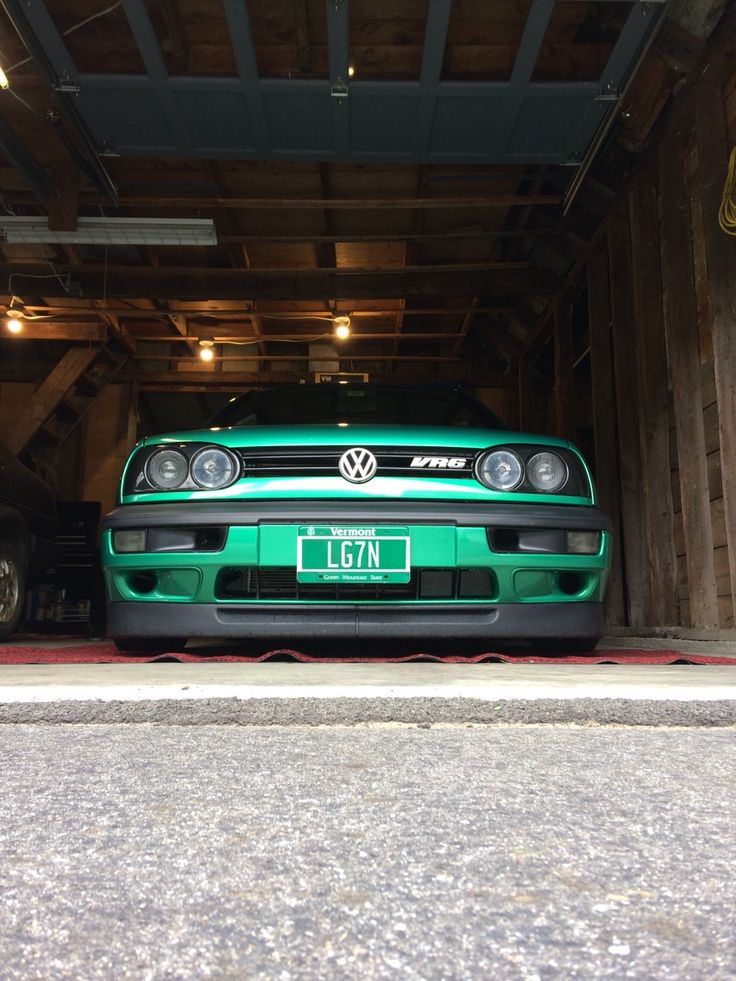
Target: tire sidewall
{"x": 12, "y": 564}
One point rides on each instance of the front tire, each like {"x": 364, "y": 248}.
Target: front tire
{"x": 12, "y": 587}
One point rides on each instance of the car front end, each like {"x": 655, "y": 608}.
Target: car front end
{"x": 347, "y": 529}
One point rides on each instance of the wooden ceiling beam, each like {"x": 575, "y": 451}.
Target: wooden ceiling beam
{"x": 45, "y": 330}
{"x": 198, "y": 203}
{"x": 463, "y": 279}
{"x": 462, "y": 233}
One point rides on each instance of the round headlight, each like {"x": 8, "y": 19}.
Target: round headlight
{"x": 167, "y": 469}
{"x": 546, "y": 472}
{"x": 502, "y": 470}
{"x": 213, "y": 468}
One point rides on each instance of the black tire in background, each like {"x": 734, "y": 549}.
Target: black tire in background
{"x": 12, "y": 586}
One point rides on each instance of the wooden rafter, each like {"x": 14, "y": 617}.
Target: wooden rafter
{"x": 49, "y": 394}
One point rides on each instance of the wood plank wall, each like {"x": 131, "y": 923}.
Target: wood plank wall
{"x": 661, "y": 285}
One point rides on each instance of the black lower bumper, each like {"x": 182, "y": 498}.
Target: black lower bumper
{"x": 512, "y": 623}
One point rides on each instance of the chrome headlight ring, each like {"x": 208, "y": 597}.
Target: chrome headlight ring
{"x": 213, "y": 467}
{"x": 500, "y": 470}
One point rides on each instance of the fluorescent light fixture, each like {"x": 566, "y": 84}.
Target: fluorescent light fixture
{"x": 112, "y": 231}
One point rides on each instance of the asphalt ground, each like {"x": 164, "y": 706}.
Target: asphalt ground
{"x": 366, "y": 852}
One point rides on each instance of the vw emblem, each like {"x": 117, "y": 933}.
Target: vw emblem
{"x": 358, "y": 465}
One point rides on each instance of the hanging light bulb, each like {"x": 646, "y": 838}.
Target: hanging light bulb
{"x": 4, "y": 83}
{"x": 205, "y": 350}
{"x": 342, "y": 327}
{"x": 16, "y": 312}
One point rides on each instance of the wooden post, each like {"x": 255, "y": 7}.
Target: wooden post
{"x": 720, "y": 254}
{"x": 681, "y": 325}
{"x": 654, "y": 419}
{"x": 604, "y": 424}
{"x": 625, "y": 381}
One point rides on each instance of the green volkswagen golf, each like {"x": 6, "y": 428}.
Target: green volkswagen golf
{"x": 355, "y": 511}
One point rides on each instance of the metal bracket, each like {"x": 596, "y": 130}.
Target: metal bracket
{"x": 67, "y": 84}
{"x": 608, "y": 93}
{"x": 339, "y": 90}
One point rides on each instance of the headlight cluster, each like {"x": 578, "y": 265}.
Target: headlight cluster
{"x": 210, "y": 468}
{"x": 505, "y": 470}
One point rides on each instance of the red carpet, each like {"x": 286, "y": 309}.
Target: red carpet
{"x": 106, "y": 653}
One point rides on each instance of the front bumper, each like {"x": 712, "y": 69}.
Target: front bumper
{"x": 285, "y": 623}
{"x": 528, "y": 594}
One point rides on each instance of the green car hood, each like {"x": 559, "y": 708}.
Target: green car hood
{"x": 351, "y": 434}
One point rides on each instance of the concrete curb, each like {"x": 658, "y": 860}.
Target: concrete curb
{"x": 423, "y": 712}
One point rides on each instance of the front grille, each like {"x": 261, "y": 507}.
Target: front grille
{"x": 280, "y": 583}
{"x": 322, "y": 461}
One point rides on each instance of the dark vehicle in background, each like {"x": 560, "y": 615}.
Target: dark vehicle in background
{"x": 27, "y": 532}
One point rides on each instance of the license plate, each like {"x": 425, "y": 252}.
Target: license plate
{"x": 348, "y": 554}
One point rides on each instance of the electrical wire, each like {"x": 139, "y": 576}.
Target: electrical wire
{"x": 727, "y": 211}
{"x": 70, "y": 30}
{"x": 26, "y": 104}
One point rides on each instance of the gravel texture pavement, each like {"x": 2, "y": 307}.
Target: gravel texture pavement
{"x": 337, "y": 711}
{"x": 366, "y": 852}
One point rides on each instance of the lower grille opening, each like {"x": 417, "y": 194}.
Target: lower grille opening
{"x": 280, "y": 583}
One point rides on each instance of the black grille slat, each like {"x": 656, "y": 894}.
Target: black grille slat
{"x": 253, "y": 583}
{"x": 319, "y": 460}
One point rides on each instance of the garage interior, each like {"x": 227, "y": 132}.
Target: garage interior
{"x": 522, "y": 196}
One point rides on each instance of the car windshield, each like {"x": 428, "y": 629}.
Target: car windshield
{"x": 357, "y": 404}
